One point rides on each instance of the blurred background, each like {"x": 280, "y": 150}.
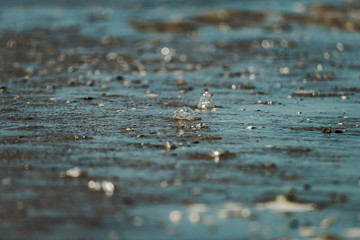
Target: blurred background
{"x": 90, "y": 147}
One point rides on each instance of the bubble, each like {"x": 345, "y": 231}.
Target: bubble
{"x": 216, "y": 153}
{"x": 267, "y": 43}
{"x": 6, "y": 181}
{"x": 223, "y": 214}
{"x": 245, "y": 212}
{"x": 194, "y": 217}
{"x": 165, "y": 51}
{"x": 197, "y": 207}
{"x": 340, "y": 46}
{"x": 152, "y": 96}
{"x": 108, "y": 187}
{"x": 184, "y": 113}
{"x": 113, "y": 236}
{"x": 176, "y": 216}
{"x": 11, "y": 44}
{"x": 353, "y": 232}
{"x": 284, "y": 70}
{"x": 196, "y": 191}
{"x": 206, "y": 100}
{"x": 208, "y": 220}
{"x": 307, "y": 231}
{"x": 163, "y": 184}
{"x": 319, "y": 67}
{"x": 73, "y": 172}
{"x": 111, "y": 56}
{"x": 138, "y": 221}
{"x": 299, "y": 7}
{"x": 326, "y": 55}
{"x": 94, "y": 185}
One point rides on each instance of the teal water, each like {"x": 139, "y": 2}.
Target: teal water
{"x": 65, "y": 106}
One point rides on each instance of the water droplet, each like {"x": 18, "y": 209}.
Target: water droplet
{"x": 184, "y": 113}
{"x": 206, "y": 100}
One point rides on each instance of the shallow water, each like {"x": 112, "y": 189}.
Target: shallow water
{"x": 95, "y": 85}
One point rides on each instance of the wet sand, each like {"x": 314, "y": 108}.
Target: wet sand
{"x": 90, "y": 147}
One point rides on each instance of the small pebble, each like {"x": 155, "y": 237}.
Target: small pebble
{"x": 326, "y": 130}
{"x": 3, "y": 89}
{"x": 250, "y": 127}
{"x": 119, "y": 78}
